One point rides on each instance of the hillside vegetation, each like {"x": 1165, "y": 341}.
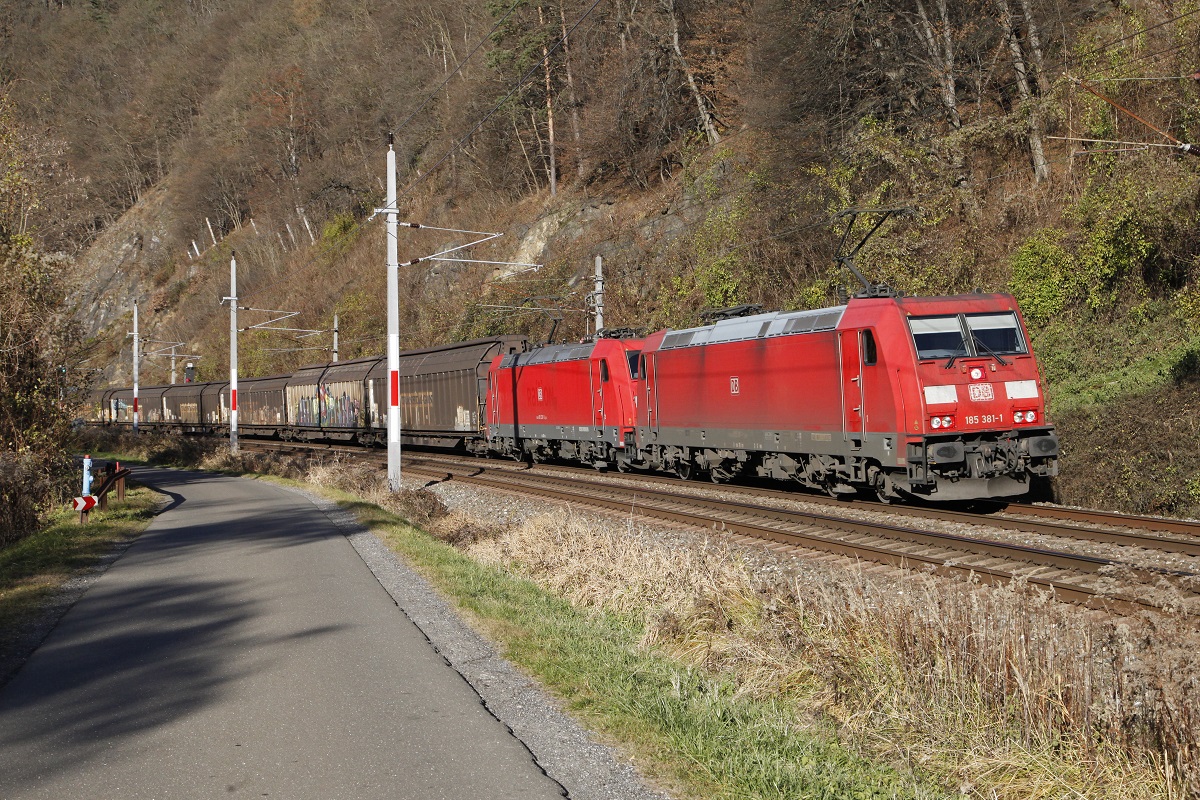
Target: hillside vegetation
{"x": 703, "y": 148}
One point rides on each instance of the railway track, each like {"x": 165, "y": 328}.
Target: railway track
{"x": 1112, "y": 584}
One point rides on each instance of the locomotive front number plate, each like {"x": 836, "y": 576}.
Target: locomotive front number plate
{"x": 981, "y": 392}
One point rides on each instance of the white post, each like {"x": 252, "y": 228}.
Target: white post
{"x": 233, "y": 353}
{"x": 173, "y": 365}
{"x": 393, "y": 315}
{"x": 136, "y": 355}
{"x": 335, "y": 334}
{"x": 599, "y": 293}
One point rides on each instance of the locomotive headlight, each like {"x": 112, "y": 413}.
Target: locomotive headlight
{"x": 1018, "y": 416}
{"x": 946, "y": 421}
{"x": 1030, "y": 416}
{"x": 935, "y": 423}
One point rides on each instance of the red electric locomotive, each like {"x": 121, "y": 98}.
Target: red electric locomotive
{"x": 922, "y": 396}
{"x": 573, "y": 402}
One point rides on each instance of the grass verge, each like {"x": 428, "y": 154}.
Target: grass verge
{"x": 36, "y": 567}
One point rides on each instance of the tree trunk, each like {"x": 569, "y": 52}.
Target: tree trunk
{"x": 525, "y": 152}
{"x": 572, "y": 98}
{"x": 942, "y": 55}
{"x": 624, "y": 24}
{"x": 706, "y": 118}
{"x": 1035, "y": 47}
{"x": 553, "y": 166}
{"x": 1041, "y": 169}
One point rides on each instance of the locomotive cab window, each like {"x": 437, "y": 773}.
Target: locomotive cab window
{"x": 869, "y": 355}
{"x": 634, "y": 357}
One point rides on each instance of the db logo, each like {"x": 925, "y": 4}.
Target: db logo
{"x": 981, "y": 392}
{"x": 735, "y": 385}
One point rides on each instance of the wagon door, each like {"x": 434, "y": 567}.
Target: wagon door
{"x": 853, "y": 413}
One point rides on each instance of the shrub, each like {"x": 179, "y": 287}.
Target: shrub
{"x": 1043, "y": 275}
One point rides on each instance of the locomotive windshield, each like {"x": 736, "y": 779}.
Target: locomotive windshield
{"x": 996, "y": 333}
{"x": 963, "y": 335}
{"x": 938, "y": 337}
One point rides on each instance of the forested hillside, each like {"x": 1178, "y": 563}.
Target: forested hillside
{"x": 703, "y": 148}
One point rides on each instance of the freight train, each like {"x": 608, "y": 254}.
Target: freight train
{"x": 894, "y": 396}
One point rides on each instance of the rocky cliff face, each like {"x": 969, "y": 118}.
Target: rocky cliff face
{"x": 124, "y": 264}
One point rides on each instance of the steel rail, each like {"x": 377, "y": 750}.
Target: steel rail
{"x": 1015, "y": 516}
{"x": 984, "y": 547}
{"x": 654, "y": 505}
{"x": 1108, "y": 518}
{"x": 1051, "y": 525}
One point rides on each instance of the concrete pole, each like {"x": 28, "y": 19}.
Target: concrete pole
{"x": 335, "y": 341}
{"x": 136, "y": 356}
{"x": 172, "y": 365}
{"x": 393, "y": 315}
{"x": 599, "y": 293}
{"x": 233, "y": 353}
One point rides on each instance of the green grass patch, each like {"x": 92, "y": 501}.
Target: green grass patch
{"x": 688, "y": 729}
{"x": 32, "y": 569}
{"x": 1090, "y": 361}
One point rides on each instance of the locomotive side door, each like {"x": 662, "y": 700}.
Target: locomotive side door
{"x": 493, "y": 401}
{"x": 600, "y": 390}
{"x": 648, "y": 380}
{"x": 853, "y": 413}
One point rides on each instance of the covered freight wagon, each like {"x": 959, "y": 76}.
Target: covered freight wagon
{"x": 442, "y": 391}
{"x": 331, "y": 401}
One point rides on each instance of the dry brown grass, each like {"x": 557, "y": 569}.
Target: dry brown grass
{"x": 995, "y": 693}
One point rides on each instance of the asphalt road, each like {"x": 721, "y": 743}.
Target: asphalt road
{"x": 241, "y": 648}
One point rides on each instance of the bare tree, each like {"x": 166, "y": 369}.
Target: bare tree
{"x": 939, "y": 44}
{"x": 572, "y": 97}
{"x": 707, "y": 121}
{"x": 1041, "y": 168}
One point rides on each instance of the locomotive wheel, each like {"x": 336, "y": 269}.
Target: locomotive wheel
{"x": 881, "y": 484}
{"x": 685, "y": 470}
